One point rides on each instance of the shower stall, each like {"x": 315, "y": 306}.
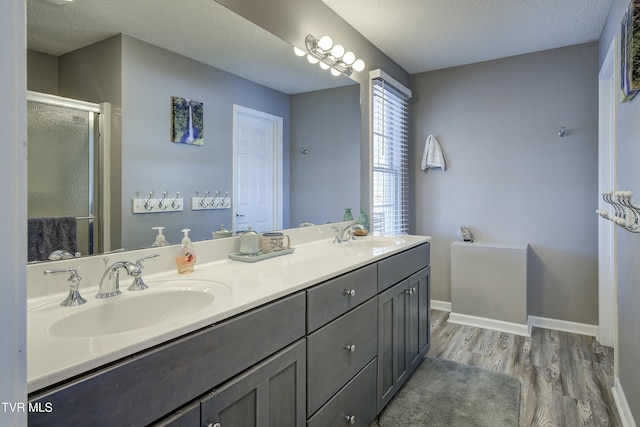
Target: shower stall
{"x": 67, "y": 163}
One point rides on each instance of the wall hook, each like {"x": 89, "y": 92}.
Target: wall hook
{"x": 304, "y": 150}
{"x": 562, "y": 132}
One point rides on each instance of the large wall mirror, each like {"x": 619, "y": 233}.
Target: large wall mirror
{"x": 136, "y": 56}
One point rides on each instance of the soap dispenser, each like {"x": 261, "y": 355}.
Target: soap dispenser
{"x": 186, "y": 257}
{"x": 160, "y": 239}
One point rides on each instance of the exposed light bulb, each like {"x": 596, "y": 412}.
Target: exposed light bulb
{"x": 349, "y": 58}
{"x": 335, "y": 72}
{"x": 324, "y": 66}
{"x": 358, "y": 65}
{"x": 337, "y": 51}
{"x": 298, "y": 51}
{"x": 325, "y": 43}
{"x": 312, "y": 59}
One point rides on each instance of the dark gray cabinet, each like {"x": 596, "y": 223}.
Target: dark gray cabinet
{"x": 419, "y": 319}
{"x": 334, "y": 354}
{"x": 338, "y": 351}
{"x": 354, "y": 405}
{"x": 393, "y": 334}
{"x": 271, "y": 394}
{"x": 145, "y": 387}
{"x": 403, "y": 322}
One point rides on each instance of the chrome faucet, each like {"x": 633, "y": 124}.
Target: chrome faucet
{"x": 344, "y": 235}
{"x": 110, "y": 285}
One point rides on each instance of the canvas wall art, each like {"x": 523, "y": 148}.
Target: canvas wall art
{"x": 187, "y": 125}
{"x": 630, "y": 52}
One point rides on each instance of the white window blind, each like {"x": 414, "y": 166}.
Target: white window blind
{"x": 389, "y": 128}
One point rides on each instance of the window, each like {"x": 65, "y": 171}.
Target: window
{"x": 389, "y": 135}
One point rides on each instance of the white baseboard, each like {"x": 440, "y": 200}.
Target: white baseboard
{"x": 485, "y": 323}
{"x": 623, "y": 406}
{"x": 441, "y": 305}
{"x": 563, "y": 325}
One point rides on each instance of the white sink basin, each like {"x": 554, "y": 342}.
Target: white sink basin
{"x": 375, "y": 242}
{"x": 176, "y": 301}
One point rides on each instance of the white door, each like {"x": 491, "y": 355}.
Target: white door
{"x": 257, "y": 170}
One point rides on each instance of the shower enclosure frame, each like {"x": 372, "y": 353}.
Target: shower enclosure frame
{"x": 103, "y": 111}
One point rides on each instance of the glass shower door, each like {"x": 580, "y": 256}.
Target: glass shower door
{"x": 60, "y": 162}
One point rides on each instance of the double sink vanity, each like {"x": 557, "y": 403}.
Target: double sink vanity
{"x": 324, "y": 336}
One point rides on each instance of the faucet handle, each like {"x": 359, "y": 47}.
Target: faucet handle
{"x": 139, "y": 260}
{"x": 138, "y": 284}
{"x": 73, "y": 298}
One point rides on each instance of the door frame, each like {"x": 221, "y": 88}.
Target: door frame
{"x": 607, "y": 180}
{"x": 278, "y": 199}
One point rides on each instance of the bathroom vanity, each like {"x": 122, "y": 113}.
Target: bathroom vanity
{"x": 324, "y": 336}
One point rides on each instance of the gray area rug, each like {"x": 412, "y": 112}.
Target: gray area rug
{"x": 445, "y": 393}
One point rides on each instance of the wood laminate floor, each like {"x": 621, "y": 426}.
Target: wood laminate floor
{"x": 566, "y": 378}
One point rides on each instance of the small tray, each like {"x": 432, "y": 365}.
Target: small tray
{"x": 259, "y": 256}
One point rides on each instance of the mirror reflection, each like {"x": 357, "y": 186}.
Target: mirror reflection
{"x": 87, "y": 168}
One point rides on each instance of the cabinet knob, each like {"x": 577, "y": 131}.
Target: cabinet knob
{"x": 350, "y": 348}
{"x": 350, "y": 293}
{"x": 351, "y": 419}
{"x": 411, "y": 290}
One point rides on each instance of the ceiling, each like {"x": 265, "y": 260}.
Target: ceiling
{"x": 425, "y": 35}
{"x": 419, "y": 35}
{"x": 198, "y": 29}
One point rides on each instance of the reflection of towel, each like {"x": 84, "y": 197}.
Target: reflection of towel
{"x": 46, "y": 235}
{"x": 432, "y": 156}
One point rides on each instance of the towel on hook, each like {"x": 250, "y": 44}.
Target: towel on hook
{"x": 432, "y": 156}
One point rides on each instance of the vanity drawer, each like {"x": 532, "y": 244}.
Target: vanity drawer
{"x": 398, "y": 267}
{"x": 336, "y": 352}
{"x": 130, "y": 392}
{"x": 356, "y": 399}
{"x": 335, "y": 297}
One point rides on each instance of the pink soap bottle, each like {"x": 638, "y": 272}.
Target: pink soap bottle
{"x": 186, "y": 257}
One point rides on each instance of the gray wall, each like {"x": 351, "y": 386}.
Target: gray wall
{"x": 628, "y": 243}
{"x": 42, "y": 73}
{"x": 509, "y": 177}
{"x": 327, "y": 179}
{"x": 94, "y": 74}
{"x": 151, "y": 162}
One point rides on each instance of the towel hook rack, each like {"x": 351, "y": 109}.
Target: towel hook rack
{"x": 625, "y": 213}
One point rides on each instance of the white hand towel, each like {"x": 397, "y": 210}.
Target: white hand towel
{"x": 432, "y": 156}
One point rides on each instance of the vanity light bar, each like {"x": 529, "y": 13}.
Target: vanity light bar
{"x": 330, "y": 57}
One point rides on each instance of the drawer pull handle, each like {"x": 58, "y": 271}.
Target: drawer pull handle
{"x": 411, "y": 291}
{"x": 214, "y": 425}
{"x": 351, "y": 419}
{"x": 350, "y": 293}
{"x": 350, "y": 348}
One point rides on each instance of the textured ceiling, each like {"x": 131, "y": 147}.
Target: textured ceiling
{"x": 424, "y": 35}
{"x": 420, "y": 35}
{"x": 199, "y": 29}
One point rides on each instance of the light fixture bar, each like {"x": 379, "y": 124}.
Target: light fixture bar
{"x": 332, "y": 56}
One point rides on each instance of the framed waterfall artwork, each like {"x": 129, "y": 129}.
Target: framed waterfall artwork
{"x": 630, "y": 52}
{"x": 186, "y": 121}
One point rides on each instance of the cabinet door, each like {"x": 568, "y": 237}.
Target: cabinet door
{"x": 273, "y": 393}
{"x": 393, "y": 335}
{"x": 418, "y": 302}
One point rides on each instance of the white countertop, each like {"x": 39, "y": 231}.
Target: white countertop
{"x": 242, "y": 286}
